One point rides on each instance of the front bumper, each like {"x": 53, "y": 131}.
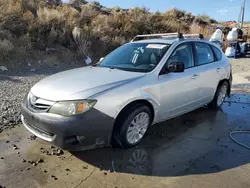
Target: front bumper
{"x": 94, "y": 128}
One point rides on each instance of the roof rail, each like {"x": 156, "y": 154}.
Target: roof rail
{"x": 167, "y": 35}
{"x": 154, "y": 35}
{"x": 200, "y": 35}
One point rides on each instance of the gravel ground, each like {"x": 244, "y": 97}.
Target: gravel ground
{"x": 14, "y": 86}
{"x": 240, "y": 65}
{"x": 13, "y": 90}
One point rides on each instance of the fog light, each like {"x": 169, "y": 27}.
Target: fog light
{"x": 80, "y": 139}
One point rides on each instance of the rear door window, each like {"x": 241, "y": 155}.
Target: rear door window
{"x": 204, "y": 53}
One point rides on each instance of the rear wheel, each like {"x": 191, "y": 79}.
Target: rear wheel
{"x": 220, "y": 95}
{"x": 132, "y": 126}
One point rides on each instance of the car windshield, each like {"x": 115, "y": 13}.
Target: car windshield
{"x": 136, "y": 57}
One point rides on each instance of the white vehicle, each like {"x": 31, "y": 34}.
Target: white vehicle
{"x": 136, "y": 86}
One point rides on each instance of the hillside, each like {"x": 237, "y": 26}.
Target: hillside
{"x": 31, "y": 29}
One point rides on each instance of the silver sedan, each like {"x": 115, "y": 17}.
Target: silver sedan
{"x": 134, "y": 87}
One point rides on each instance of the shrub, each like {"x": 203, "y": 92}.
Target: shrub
{"x": 5, "y": 48}
{"x": 83, "y": 27}
{"x": 50, "y": 16}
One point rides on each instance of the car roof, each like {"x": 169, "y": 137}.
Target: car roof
{"x": 168, "y": 40}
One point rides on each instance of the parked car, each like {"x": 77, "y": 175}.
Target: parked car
{"x": 136, "y": 86}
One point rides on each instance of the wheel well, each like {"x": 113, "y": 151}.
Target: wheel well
{"x": 221, "y": 82}
{"x": 131, "y": 105}
{"x": 134, "y": 104}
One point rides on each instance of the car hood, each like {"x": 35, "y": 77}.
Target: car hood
{"x": 81, "y": 83}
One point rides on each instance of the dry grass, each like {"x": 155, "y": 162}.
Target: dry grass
{"x": 83, "y": 28}
{"x": 46, "y": 15}
{"x": 195, "y": 28}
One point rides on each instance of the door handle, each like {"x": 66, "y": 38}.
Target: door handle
{"x": 195, "y": 76}
{"x": 218, "y": 69}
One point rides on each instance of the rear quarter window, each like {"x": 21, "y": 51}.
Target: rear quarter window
{"x": 217, "y": 53}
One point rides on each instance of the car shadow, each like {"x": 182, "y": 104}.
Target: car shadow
{"x": 195, "y": 143}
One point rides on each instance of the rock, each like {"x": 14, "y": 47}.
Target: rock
{"x": 60, "y": 152}
{"x": 67, "y": 170}
{"x": 52, "y": 147}
{"x": 28, "y": 169}
{"x": 45, "y": 171}
{"x": 32, "y": 137}
{"x": 85, "y": 167}
{"x": 105, "y": 173}
{"x": 3, "y": 68}
{"x": 24, "y": 161}
{"x": 7, "y": 141}
{"x": 15, "y": 148}
{"x": 2, "y": 158}
{"x": 18, "y": 152}
{"x": 40, "y": 161}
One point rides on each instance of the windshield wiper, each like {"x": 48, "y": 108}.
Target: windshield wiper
{"x": 110, "y": 67}
{"x": 96, "y": 65}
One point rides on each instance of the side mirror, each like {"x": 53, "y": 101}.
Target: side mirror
{"x": 176, "y": 67}
{"x": 102, "y": 58}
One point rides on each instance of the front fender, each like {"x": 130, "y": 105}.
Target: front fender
{"x": 144, "y": 96}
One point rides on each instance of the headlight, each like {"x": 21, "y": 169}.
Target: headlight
{"x": 71, "y": 108}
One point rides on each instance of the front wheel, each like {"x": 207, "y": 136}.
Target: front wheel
{"x": 133, "y": 126}
{"x": 220, "y": 96}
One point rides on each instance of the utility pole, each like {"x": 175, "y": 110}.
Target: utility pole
{"x": 243, "y": 14}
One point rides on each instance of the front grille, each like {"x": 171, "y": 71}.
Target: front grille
{"x": 37, "y": 104}
{"x": 41, "y": 107}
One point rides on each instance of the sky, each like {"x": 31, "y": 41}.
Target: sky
{"x": 221, "y": 10}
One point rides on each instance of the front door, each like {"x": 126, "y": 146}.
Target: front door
{"x": 180, "y": 92}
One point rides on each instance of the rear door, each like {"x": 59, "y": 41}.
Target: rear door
{"x": 179, "y": 92}
{"x": 208, "y": 67}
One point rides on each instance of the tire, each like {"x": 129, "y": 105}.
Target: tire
{"x": 220, "y": 96}
{"x": 124, "y": 128}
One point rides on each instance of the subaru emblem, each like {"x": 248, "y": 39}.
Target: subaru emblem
{"x": 33, "y": 99}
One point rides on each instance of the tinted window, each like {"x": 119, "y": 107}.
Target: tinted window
{"x": 217, "y": 53}
{"x": 182, "y": 53}
{"x": 204, "y": 54}
{"x": 136, "y": 57}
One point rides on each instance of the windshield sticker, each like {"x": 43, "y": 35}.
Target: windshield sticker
{"x": 156, "y": 46}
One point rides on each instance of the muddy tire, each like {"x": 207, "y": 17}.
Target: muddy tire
{"x": 220, "y": 96}
{"x": 132, "y": 126}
